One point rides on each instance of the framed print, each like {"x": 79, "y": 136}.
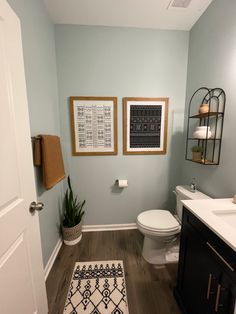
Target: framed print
{"x": 93, "y": 125}
{"x": 145, "y": 125}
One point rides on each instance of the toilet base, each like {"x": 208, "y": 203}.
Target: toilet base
{"x": 159, "y": 253}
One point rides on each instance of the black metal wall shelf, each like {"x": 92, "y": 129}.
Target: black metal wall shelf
{"x": 214, "y": 119}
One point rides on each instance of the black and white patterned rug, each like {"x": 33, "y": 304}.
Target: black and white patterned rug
{"x": 97, "y": 288}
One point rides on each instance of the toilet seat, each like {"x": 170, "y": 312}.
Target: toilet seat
{"x": 158, "y": 221}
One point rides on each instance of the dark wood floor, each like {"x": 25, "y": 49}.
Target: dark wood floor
{"x": 149, "y": 291}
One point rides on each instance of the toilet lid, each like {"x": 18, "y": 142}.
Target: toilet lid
{"x": 158, "y": 219}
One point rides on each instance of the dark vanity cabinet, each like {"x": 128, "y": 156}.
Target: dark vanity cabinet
{"x": 206, "y": 280}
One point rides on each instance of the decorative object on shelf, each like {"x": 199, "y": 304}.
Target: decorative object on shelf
{"x": 93, "y": 125}
{"x": 202, "y": 132}
{"x": 72, "y": 217}
{"x": 206, "y": 124}
{"x": 197, "y": 153}
{"x": 204, "y": 108}
{"x": 145, "y": 125}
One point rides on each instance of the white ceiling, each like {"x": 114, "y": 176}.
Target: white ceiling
{"x": 126, "y": 13}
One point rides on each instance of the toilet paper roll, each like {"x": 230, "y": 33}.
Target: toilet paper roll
{"x": 122, "y": 183}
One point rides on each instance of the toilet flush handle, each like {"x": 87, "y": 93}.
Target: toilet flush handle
{"x": 174, "y": 192}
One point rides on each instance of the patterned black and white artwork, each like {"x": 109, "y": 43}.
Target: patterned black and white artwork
{"x": 94, "y": 125}
{"x": 145, "y": 125}
{"x": 97, "y": 288}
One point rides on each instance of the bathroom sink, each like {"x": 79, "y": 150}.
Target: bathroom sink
{"x": 228, "y": 216}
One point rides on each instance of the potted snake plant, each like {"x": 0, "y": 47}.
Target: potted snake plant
{"x": 72, "y": 217}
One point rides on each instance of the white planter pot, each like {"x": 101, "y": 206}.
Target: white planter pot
{"x": 73, "y": 235}
{"x": 73, "y": 242}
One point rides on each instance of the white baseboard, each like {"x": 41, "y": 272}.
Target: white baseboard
{"x": 52, "y": 258}
{"x": 85, "y": 228}
{"x": 90, "y": 228}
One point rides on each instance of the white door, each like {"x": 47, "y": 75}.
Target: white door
{"x": 22, "y": 287}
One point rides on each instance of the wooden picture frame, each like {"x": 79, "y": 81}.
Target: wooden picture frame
{"x": 145, "y": 125}
{"x": 93, "y": 125}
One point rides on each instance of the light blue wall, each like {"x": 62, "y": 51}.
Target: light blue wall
{"x": 41, "y": 79}
{"x": 106, "y": 61}
{"x": 212, "y": 63}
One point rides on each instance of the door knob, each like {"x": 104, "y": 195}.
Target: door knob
{"x": 35, "y": 206}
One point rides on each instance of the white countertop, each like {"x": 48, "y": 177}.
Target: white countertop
{"x": 217, "y": 214}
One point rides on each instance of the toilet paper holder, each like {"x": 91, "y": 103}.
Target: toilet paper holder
{"x": 121, "y": 183}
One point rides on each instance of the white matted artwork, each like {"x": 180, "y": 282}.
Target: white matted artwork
{"x": 93, "y": 125}
{"x": 145, "y": 125}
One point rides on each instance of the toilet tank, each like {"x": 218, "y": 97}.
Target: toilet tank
{"x": 183, "y": 192}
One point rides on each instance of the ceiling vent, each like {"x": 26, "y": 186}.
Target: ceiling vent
{"x": 179, "y": 4}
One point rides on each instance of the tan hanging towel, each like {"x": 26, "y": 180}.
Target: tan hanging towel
{"x": 47, "y": 153}
{"x": 37, "y": 152}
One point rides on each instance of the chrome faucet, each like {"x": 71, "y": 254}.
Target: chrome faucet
{"x": 193, "y": 185}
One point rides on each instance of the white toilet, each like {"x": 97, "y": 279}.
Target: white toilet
{"x": 160, "y": 229}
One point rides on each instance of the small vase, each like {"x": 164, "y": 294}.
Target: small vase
{"x": 72, "y": 235}
{"x": 204, "y": 108}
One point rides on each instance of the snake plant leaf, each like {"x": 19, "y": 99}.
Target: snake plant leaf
{"x": 73, "y": 208}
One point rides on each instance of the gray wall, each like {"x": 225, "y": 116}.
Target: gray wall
{"x": 106, "y": 61}
{"x": 212, "y": 62}
{"x": 41, "y": 79}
